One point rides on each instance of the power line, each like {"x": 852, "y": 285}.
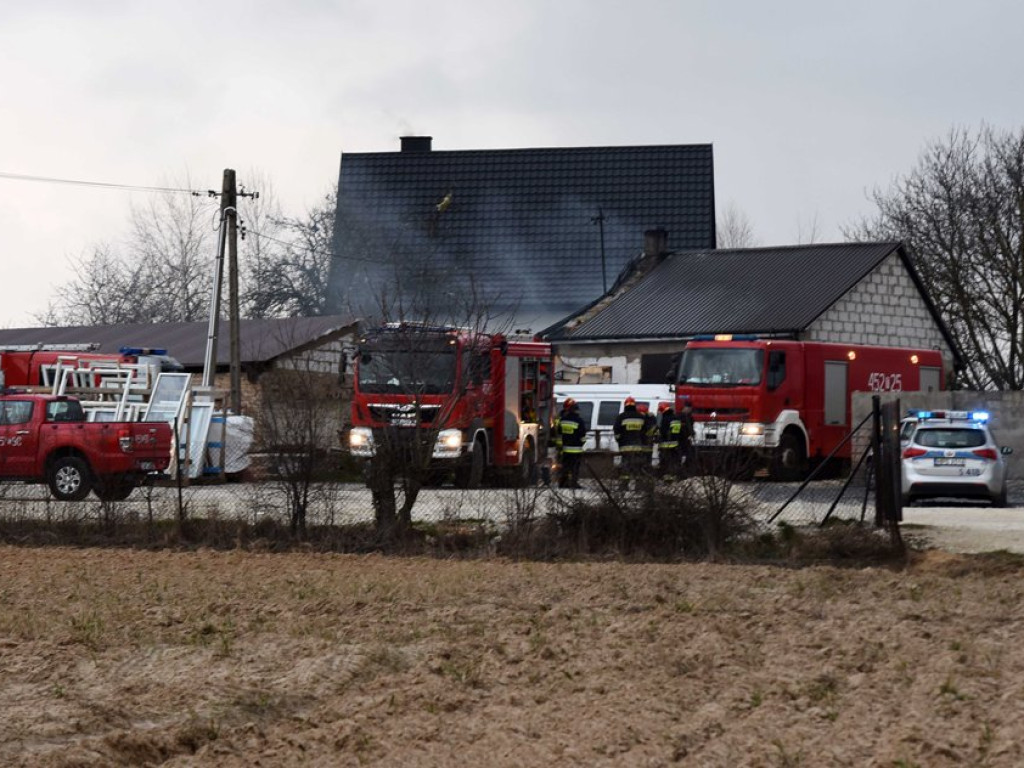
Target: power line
{"x": 106, "y": 185}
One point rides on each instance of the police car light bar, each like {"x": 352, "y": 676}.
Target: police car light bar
{"x": 725, "y": 337}
{"x": 980, "y": 416}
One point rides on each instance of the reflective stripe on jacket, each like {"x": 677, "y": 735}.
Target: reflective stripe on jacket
{"x": 571, "y": 431}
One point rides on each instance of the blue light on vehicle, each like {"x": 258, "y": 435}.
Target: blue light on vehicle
{"x": 979, "y": 416}
{"x": 924, "y": 414}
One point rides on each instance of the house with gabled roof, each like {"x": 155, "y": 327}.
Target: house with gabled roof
{"x": 856, "y": 293}
{"x": 532, "y": 234}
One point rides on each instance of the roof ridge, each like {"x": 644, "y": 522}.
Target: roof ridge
{"x": 605, "y": 147}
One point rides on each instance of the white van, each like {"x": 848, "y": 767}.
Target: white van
{"x": 600, "y": 405}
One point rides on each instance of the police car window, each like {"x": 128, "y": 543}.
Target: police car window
{"x": 586, "y": 411}
{"x": 17, "y": 412}
{"x": 950, "y": 438}
{"x": 607, "y": 412}
{"x": 907, "y": 429}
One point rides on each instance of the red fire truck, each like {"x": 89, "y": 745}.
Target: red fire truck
{"x": 40, "y": 365}
{"x": 478, "y": 401}
{"x": 789, "y": 401}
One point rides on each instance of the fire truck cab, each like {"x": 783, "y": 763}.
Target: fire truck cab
{"x": 468, "y": 403}
{"x": 789, "y": 401}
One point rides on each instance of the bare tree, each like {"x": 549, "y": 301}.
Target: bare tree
{"x": 296, "y": 421}
{"x": 173, "y": 236}
{"x": 290, "y": 277}
{"x": 734, "y": 229}
{"x": 961, "y": 211}
{"x": 106, "y": 290}
{"x": 261, "y": 246}
{"x": 160, "y": 274}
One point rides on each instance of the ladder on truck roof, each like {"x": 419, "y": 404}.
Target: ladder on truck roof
{"x": 108, "y": 390}
{"x": 49, "y": 347}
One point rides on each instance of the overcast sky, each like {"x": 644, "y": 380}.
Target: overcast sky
{"x": 808, "y": 104}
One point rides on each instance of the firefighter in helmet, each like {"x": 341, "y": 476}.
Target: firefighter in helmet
{"x": 687, "y": 453}
{"x": 629, "y": 430}
{"x": 571, "y": 431}
{"x": 669, "y": 429}
{"x": 650, "y": 438}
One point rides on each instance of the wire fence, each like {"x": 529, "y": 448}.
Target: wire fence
{"x": 335, "y": 503}
{"x": 714, "y": 496}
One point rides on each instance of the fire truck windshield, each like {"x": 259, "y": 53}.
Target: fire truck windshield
{"x": 710, "y": 367}
{"x": 428, "y": 372}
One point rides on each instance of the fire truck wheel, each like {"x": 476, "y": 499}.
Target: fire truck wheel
{"x": 471, "y": 473}
{"x": 789, "y": 460}
{"x": 69, "y": 478}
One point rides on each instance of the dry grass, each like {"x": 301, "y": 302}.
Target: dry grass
{"x": 223, "y": 658}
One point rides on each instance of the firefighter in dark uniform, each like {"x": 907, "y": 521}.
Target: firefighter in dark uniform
{"x": 687, "y": 454}
{"x": 571, "y": 431}
{"x": 670, "y": 427}
{"x": 650, "y": 438}
{"x": 629, "y": 432}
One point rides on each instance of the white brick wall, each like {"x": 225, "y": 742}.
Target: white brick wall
{"x": 884, "y": 308}
{"x": 326, "y": 358}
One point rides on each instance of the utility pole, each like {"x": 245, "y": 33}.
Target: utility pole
{"x": 234, "y": 313}
{"x": 210, "y": 360}
{"x": 227, "y": 241}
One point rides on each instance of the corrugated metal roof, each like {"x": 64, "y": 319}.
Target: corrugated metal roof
{"x": 261, "y": 340}
{"x": 755, "y": 290}
{"x": 519, "y": 221}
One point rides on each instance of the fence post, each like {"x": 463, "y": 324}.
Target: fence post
{"x": 888, "y": 493}
{"x": 876, "y": 451}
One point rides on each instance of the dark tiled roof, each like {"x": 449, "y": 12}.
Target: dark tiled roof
{"x": 518, "y": 221}
{"x": 261, "y": 340}
{"x": 757, "y": 290}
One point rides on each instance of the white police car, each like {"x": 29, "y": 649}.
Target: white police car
{"x": 951, "y": 454}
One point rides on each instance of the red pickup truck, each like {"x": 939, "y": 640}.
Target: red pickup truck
{"x": 46, "y": 439}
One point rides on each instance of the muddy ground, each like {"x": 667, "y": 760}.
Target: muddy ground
{"x": 112, "y": 657}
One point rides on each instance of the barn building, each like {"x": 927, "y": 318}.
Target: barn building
{"x": 316, "y": 346}
{"x": 856, "y": 293}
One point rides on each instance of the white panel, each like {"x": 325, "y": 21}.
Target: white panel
{"x": 835, "y": 393}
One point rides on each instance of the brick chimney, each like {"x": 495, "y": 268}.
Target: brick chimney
{"x": 655, "y": 243}
{"x": 416, "y": 143}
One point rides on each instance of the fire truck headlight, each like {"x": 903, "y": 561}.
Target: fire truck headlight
{"x": 752, "y": 429}
{"x": 450, "y": 439}
{"x": 360, "y": 438}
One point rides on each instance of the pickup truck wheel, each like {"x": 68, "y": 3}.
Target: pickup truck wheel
{"x": 69, "y": 478}
{"x": 114, "y": 489}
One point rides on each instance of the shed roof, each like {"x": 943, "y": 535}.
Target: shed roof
{"x": 261, "y": 340}
{"x": 521, "y": 223}
{"x": 777, "y": 290}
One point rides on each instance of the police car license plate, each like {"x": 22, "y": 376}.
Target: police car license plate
{"x": 949, "y": 462}
{"x": 711, "y": 435}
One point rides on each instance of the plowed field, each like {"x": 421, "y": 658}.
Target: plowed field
{"x": 111, "y": 657}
